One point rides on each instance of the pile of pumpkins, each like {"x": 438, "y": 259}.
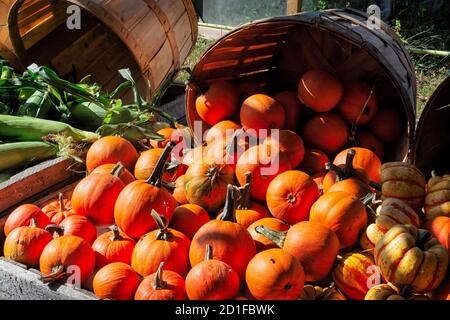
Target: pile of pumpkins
{"x": 211, "y": 223}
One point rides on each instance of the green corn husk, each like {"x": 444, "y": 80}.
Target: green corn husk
{"x": 33, "y": 129}
{"x": 19, "y": 154}
{"x": 38, "y": 105}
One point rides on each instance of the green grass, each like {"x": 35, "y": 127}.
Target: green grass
{"x": 200, "y": 47}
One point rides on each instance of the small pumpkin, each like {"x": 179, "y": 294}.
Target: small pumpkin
{"x": 367, "y": 140}
{"x": 162, "y": 285}
{"x": 327, "y": 132}
{"x": 229, "y": 150}
{"x": 136, "y": 201}
{"x": 364, "y": 159}
{"x": 359, "y": 103}
{"x": 263, "y": 243}
{"x": 116, "y": 281}
{"x": 288, "y": 143}
{"x": 275, "y": 274}
{"x": 231, "y": 242}
{"x": 188, "y": 218}
{"x": 95, "y": 196}
{"x": 314, "y": 161}
{"x": 311, "y": 292}
{"x": 383, "y": 292}
{"x": 164, "y": 244}
{"x": 293, "y": 108}
{"x": 352, "y": 275}
{"x": 58, "y": 210}
{"x": 440, "y": 228}
{"x": 388, "y": 124}
{"x": 405, "y": 182}
{"x": 123, "y": 175}
{"x": 178, "y": 191}
{"x": 25, "y": 244}
{"x": 437, "y": 199}
{"x": 221, "y": 131}
{"x": 146, "y": 164}
{"x": 111, "y": 149}
{"x": 212, "y": 279}
{"x": 314, "y": 245}
{"x": 410, "y": 256}
{"x": 343, "y": 213}
{"x": 113, "y": 246}
{"x": 22, "y": 216}
{"x": 75, "y": 225}
{"x": 290, "y": 196}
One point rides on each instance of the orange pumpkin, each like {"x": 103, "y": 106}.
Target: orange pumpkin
{"x": 369, "y": 141}
{"x": 123, "y": 175}
{"x": 290, "y": 196}
{"x": 22, "y": 216}
{"x": 288, "y": 143}
{"x": 139, "y": 198}
{"x": 162, "y": 245}
{"x": 440, "y": 228}
{"x": 275, "y": 274}
{"x": 219, "y": 102}
{"x": 113, "y": 246}
{"x": 263, "y": 243}
{"x": 229, "y": 150}
{"x": 354, "y": 186}
{"x": 58, "y": 210}
{"x": 188, "y": 218}
{"x": 116, "y": 281}
{"x": 162, "y": 285}
{"x": 314, "y": 161}
{"x": 364, "y": 159}
{"x": 111, "y": 149}
{"x": 221, "y": 131}
{"x": 212, "y": 279}
{"x": 359, "y": 103}
{"x": 319, "y": 90}
{"x": 75, "y": 225}
{"x": 314, "y": 245}
{"x": 343, "y": 213}
{"x": 231, "y": 241}
{"x": 261, "y": 112}
{"x": 327, "y": 132}
{"x": 194, "y": 155}
{"x": 178, "y": 192}
{"x": 147, "y": 161}
{"x": 293, "y": 108}
{"x": 388, "y": 124}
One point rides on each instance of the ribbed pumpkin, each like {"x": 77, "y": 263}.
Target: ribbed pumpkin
{"x": 313, "y": 244}
{"x": 75, "y": 225}
{"x": 248, "y": 211}
{"x": 211, "y": 279}
{"x": 219, "y": 102}
{"x": 123, "y": 175}
{"x": 25, "y": 244}
{"x": 359, "y": 103}
{"x": 229, "y": 150}
{"x": 137, "y": 200}
{"x": 290, "y": 196}
{"x": 146, "y": 164}
{"x": 437, "y": 199}
{"x": 116, "y": 281}
{"x": 319, "y": 90}
{"x": 367, "y": 140}
{"x": 440, "y": 228}
{"x": 343, "y": 213}
{"x": 262, "y": 242}
{"x": 59, "y": 209}
{"x": 259, "y": 113}
{"x": 65, "y": 255}
{"x": 403, "y": 181}
{"x": 162, "y": 285}
{"x": 95, "y": 196}
{"x": 311, "y": 292}
{"x": 352, "y": 275}
{"x": 410, "y": 256}
{"x": 22, "y": 216}
{"x": 388, "y": 124}
{"x": 264, "y": 166}
{"x": 113, "y": 246}
{"x": 221, "y": 131}
{"x": 188, "y": 218}
{"x": 364, "y": 159}
{"x": 288, "y": 143}
{"x": 314, "y": 161}
{"x": 390, "y": 213}
{"x": 230, "y": 241}
{"x": 275, "y": 274}
{"x": 178, "y": 193}
{"x": 293, "y": 108}
{"x": 205, "y": 184}
{"x": 162, "y": 245}
{"x": 327, "y": 132}
{"x": 111, "y": 149}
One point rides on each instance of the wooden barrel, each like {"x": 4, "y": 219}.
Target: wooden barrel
{"x": 275, "y": 52}
{"x": 151, "y": 37}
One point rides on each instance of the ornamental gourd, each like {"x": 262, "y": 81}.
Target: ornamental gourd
{"x": 383, "y": 292}
{"x": 22, "y": 216}
{"x": 311, "y": 292}
{"x": 132, "y": 211}
{"x": 116, "y": 281}
{"x": 58, "y": 210}
{"x": 437, "y": 199}
{"x": 410, "y": 256}
{"x": 290, "y": 196}
{"x": 230, "y": 241}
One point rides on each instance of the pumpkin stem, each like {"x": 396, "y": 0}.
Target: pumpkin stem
{"x": 158, "y": 282}
{"x": 156, "y": 176}
{"x": 116, "y": 233}
{"x": 244, "y": 201}
{"x": 58, "y": 274}
{"x": 209, "y": 252}
{"x": 62, "y": 207}
{"x": 276, "y": 237}
{"x": 229, "y": 209}
{"x": 52, "y": 228}
{"x": 340, "y": 174}
{"x": 422, "y": 238}
{"x": 163, "y": 233}
{"x": 349, "y": 171}
{"x": 117, "y": 170}
{"x": 433, "y": 173}
{"x": 33, "y": 222}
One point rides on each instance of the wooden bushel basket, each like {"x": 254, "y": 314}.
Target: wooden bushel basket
{"x": 275, "y": 52}
{"x": 151, "y": 37}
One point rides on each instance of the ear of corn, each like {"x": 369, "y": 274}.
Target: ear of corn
{"x": 38, "y": 105}
{"x": 19, "y": 154}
